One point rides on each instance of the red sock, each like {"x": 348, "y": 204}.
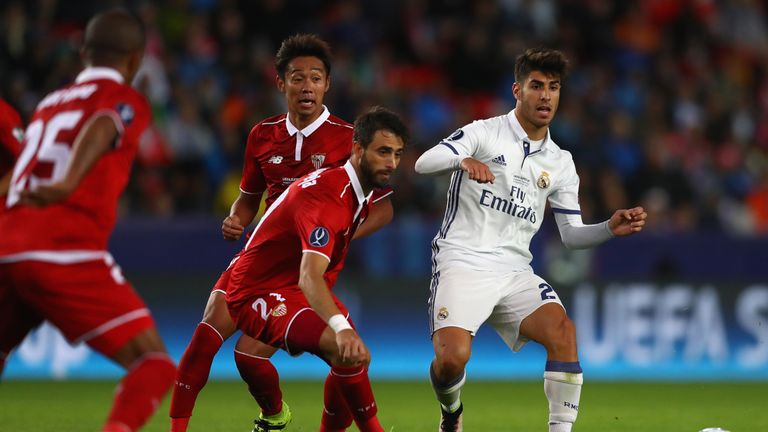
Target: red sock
{"x": 263, "y": 381}
{"x": 194, "y": 367}
{"x": 140, "y": 393}
{"x": 336, "y": 414}
{"x": 354, "y": 385}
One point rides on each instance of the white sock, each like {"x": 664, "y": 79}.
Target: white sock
{"x": 449, "y": 396}
{"x": 560, "y": 427}
{"x": 563, "y": 390}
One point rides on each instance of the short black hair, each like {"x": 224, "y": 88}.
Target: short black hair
{"x": 375, "y": 119}
{"x": 549, "y": 61}
{"x": 302, "y": 45}
{"x": 112, "y": 35}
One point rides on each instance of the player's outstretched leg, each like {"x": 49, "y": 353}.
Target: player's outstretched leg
{"x": 562, "y": 385}
{"x": 195, "y": 365}
{"x": 446, "y": 373}
{"x": 263, "y": 384}
{"x": 150, "y": 373}
{"x": 194, "y": 368}
{"x": 336, "y": 414}
{"x": 550, "y": 326}
{"x": 354, "y": 385}
{"x": 449, "y": 396}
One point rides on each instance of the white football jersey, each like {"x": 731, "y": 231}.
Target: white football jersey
{"x": 490, "y": 226}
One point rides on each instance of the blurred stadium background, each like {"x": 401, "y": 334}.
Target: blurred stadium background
{"x": 666, "y": 106}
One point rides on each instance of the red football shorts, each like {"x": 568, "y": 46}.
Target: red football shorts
{"x": 282, "y": 320}
{"x": 89, "y": 302}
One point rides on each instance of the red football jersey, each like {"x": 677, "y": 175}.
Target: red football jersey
{"x": 84, "y": 220}
{"x": 319, "y": 213}
{"x": 277, "y": 153}
{"x": 11, "y": 132}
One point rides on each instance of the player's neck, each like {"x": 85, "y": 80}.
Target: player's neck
{"x": 301, "y": 121}
{"x": 532, "y": 131}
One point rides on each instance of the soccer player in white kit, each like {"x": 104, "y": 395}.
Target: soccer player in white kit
{"x": 505, "y": 169}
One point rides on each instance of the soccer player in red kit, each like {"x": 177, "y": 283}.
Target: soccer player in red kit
{"x": 11, "y": 133}
{"x": 279, "y": 150}
{"x": 305, "y": 237}
{"x": 75, "y": 162}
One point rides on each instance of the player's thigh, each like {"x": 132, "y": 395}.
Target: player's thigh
{"x": 462, "y": 298}
{"x": 217, "y": 314}
{"x": 524, "y": 294}
{"x": 248, "y": 345}
{"x": 282, "y": 320}
{"x": 89, "y": 302}
{"x": 17, "y": 318}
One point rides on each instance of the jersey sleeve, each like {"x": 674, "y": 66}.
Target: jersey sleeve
{"x": 253, "y": 181}
{"x": 320, "y": 223}
{"x": 130, "y": 112}
{"x": 466, "y": 140}
{"x": 564, "y": 198}
{"x": 448, "y": 154}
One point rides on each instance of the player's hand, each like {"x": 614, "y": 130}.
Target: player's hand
{"x": 627, "y": 221}
{"x": 351, "y": 348}
{"x": 231, "y": 228}
{"x": 477, "y": 170}
{"x": 45, "y": 195}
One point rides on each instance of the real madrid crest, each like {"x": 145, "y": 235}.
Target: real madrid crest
{"x": 317, "y": 160}
{"x": 543, "y": 181}
{"x": 442, "y": 313}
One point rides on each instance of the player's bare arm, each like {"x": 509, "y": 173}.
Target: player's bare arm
{"x": 243, "y": 210}
{"x": 625, "y": 222}
{"x": 477, "y": 170}
{"x": 381, "y": 214}
{"x": 97, "y": 138}
{"x": 351, "y": 348}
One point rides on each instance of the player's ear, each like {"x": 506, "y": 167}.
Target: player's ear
{"x": 357, "y": 149}
{"x": 280, "y": 83}
{"x": 516, "y": 90}
{"x": 327, "y": 82}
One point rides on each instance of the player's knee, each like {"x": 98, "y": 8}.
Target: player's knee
{"x": 146, "y": 342}
{"x": 217, "y": 316}
{"x": 450, "y": 363}
{"x": 561, "y": 338}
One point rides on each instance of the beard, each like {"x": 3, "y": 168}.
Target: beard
{"x": 369, "y": 174}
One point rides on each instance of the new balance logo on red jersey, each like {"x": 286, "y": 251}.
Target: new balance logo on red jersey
{"x": 276, "y": 160}
{"x": 499, "y": 160}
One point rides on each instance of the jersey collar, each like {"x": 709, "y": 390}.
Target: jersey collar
{"x": 93, "y": 73}
{"x": 307, "y": 131}
{"x": 520, "y": 133}
{"x": 358, "y": 188}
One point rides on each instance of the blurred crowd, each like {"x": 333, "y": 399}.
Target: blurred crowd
{"x": 666, "y": 105}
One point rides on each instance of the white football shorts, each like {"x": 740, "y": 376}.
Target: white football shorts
{"x": 466, "y": 298}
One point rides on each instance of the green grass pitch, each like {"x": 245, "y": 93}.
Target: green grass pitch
{"x": 410, "y": 406}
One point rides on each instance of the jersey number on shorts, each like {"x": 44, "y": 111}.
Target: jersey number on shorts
{"x": 41, "y": 145}
{"x": 260, "y": 306}
{"x": 545, "y": 290}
